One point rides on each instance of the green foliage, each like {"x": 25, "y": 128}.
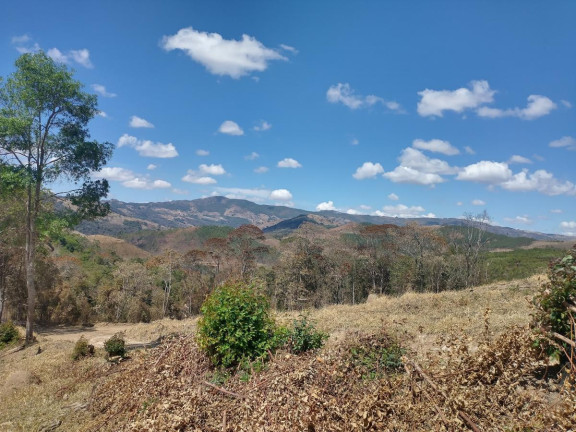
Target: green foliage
{"x": 235, "y": 325}
{"x": 115, "y": 346}
{"x": 493, "y": 241}
{"x": 8, "y": 334}
{"x": 82, "y": 349}
{"x": 556, "y": 296}
{"x": 304, "y": 337}
{"x": 518, "y": 264}
{"x": 375, "y": 355}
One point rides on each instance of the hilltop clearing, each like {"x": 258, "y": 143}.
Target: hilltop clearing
{"x": 457, "y": 337}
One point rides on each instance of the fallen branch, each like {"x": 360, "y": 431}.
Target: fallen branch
{"x": 220, "y": 389}
{"x": 468, "y": 421}
{"x": 564, "y": 339}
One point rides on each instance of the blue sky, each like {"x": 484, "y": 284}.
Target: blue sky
{"x": 411, "y": 108}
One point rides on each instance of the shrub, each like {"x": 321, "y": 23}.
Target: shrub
{"x": 115, "y": 346}
{"x": 374, "y": 355}
{"x": 555, "y": 300}
{"x": 304, "y": 336}
{"x": 8, "y": 334}
{"x": 82, "y": 349}
{"x": 235, "y": 325}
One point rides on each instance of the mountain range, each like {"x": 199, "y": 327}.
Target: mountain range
{"x": 132, "y": 217}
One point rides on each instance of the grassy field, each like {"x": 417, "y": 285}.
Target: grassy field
{"x": 49, "y": 389}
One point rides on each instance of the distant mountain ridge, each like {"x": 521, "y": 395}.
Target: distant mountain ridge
{"x": 132, "y": 217}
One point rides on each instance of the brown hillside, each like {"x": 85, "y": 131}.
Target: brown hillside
{"x": 119, "y": 247}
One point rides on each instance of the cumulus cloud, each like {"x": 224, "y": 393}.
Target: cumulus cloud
{"x": 417, "y": 160}
{"x": 403, "y": 211}
{"x": 437, "y": 146}
{"x": 261, "y": 170}
{"x": 352, "y": 212}
{"x": 81, "y": 57}
{"x": 212, "y": 169}
{"x": 486, "y": 172}
{"x": 517, "y": 159}
{"x": 393, "y": 197}
{"x": 343, "y": 93}
{"x": 567, "y": 142}
{"x": 230, "y": 128}
{"x": 235, "y": 58}
{"x": 478, "y": 202}
{"x": 469, "y": 150}
{"x": 252, "y": 156}
{"x": 280, "y": 195}
{"x": 193, "y": 177}
{"x": 101, "y": 90}
{"x": 262, "y": 126}
{"x": 368, "y": 170}
{"x": 540, "y": 181}
{"x": 130, "y": 179}
{"x": 151, "y": 167}
{"x": 537, "y": 106}
{"x": 568, "y": 225}
{"x": 139, "y": 122}
{"x": 289, "y": 163}
{"x": 148, "y": 148}
{"x": 403, "y": 174}
{"x": 435, "y": 102}
{"x": 327, "y": 205}
{"x": 201, "y": 152}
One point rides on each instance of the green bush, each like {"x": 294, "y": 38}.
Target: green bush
{"x": 236, "y": 325}
{"x": 82, "y": 349}
{"x": 373, "y": 356}
{"x": 304, "y": 336}
{"x": 115, "y": 346}
{"x": 8, "y": 334}
{"x": 554, "y": 299}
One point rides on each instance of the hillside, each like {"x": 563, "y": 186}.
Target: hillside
{"x": 458, "y": 338}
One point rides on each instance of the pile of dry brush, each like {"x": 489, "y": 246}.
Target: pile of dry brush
{"x": 499, "y": 386}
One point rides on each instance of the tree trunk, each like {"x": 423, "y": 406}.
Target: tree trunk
{"x": 29, "y": 262}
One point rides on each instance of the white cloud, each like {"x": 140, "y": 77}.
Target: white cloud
{"x": 417, "y": 160}
{"x": 569, "y": 225}
{"x": 342, "y": 93}
{"x": 435, "y": 102}
{"x": 437, "y": 146}
{"x": 520, "y": 220}
{"x": 368, "y": 170}
{"x": 469, "y": 150}
{"x": 537, "y": 106}
{"x": 81, "y": 57}
{"x": 201, "y": 152}
{"x": 139, "y": 122}
{"x": 193, "y": 177}
{"x": 179, "y": 191}
{"x": 280, "y": 195}
{"x": 289, "y": 163}
{"x": 252, "y": 156}
{"x": 478, "y": 202}
{"x": 144, "y": 183}
{"x": 148, "y": 148}
{"x": 365, "y": 207}
{"x": 230, "y": 128}
{"x": 352, "y": 212}
{"x": 403, "y": 211}
{"x": 519, "y": 160}
{"x": 114, "y": 174}
{"x": 402, "y": 174}
{"x": 261, "y": 170}
{"x": 459, "y": 203}
{"x": 20, "y": 40}
{"x": 289, "y": 48}
{"x": 566, "y": 104}
{"x": 486, "y": 172}
{"x": 262, "y": 126}
{"x": 221, "y": 56}
{"x": 101, "y": 90}
{"x": 212, "y": 169}
{"x": 354, "y": 142}
{"x": 541, "y": 181}
{"x": 256, "y": 195}
{"x": 567, "y": 142}
{"x": 151, "y": 167}
{"x": 557, "y": 211}
{"x": 129, "y": 179}
{"x": 393, "y": 197}
{"x": 102, "y": 114}
{"x": 327, "y": 205}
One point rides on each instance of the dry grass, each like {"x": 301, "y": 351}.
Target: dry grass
{"x": 118, "y": 246}
{"x": 41, "y": 390}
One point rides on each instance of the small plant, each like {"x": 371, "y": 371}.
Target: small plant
{"x": 556, "y": 307}
{"x": 8, "y": 334}
{"x": 82, "y": 349}
{"x": 235, "y": 325}
{"x": 375, "y": 355}
{"x": 115, "y": 346}
{"x": 304, "y": 336}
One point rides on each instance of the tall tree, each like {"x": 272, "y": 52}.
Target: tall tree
{"x": 44, "y": 115}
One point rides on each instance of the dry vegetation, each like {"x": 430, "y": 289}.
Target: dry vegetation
{"x": 472, "y": 374}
